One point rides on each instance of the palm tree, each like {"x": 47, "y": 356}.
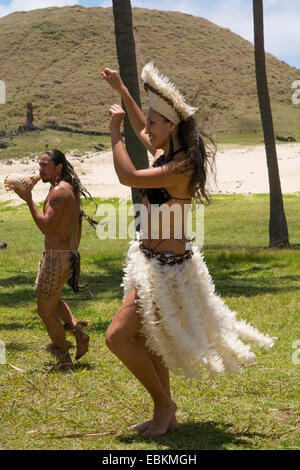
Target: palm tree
{"x": 278, "y": 230}
{"x": 128, "y": 72}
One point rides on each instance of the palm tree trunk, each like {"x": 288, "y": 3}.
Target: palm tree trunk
{"x": 128, "y": 72}
{"x": 278, "y": 230}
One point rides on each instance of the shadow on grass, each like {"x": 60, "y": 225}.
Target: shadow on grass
{"x": 235, "y": 273}
{"x": 20, "y": 279}
{"x": 12, "y": 326}
{"x": 77, "y": 367}
{"x": 251, "y": 248}
{"x": 99, "y": 326}
{"x": 198, "y": 436}
{"x": 246, "y": 287}
{"x": 22, "y": 287}
{"x": 17, "y": 346}
{"x": 296, "y": 246}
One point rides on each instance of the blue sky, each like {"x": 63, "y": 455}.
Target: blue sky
{"x": 282, "y": 19}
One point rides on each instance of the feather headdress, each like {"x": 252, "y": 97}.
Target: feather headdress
{"x": 164, "y": 97}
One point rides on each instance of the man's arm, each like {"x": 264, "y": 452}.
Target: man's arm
{"x": 46, "y": 222}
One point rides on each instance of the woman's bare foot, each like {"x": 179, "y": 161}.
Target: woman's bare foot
{"x": 162, "y": 418}
{"x": 146, "y": 425}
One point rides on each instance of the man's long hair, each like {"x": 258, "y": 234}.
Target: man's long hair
{"x": 68, "y": 174}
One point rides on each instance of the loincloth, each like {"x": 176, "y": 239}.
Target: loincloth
{"x": 183, "y": 320}
{"x": 56, "y": 268}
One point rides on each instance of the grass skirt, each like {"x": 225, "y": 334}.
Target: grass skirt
{"x": 184, "y": 320}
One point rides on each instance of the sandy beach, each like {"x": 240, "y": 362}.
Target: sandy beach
{"x": 239, "y": 170}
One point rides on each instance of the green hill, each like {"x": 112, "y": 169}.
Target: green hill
{"x": 53, "y": 57}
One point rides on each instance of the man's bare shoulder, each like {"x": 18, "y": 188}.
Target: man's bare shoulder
{"x": 65, "y": 187}
{"x": 60, "y": 194}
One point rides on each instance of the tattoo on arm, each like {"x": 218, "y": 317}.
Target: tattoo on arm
{"x": 56, "y": 201}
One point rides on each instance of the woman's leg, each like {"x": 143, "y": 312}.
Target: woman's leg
{"x": 120, "y": 340}
{"x": 164, "y": 377}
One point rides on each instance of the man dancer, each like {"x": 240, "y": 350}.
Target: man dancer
{"x": 60, "y": 222}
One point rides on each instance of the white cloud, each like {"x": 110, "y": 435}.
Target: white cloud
{"x": 106, "y": 3}
{"x": 20, "y": 5}
{"x": 282, "y": 20}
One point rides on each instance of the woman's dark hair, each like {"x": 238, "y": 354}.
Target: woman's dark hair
{"x": 199, "y": 157}
{"x": 68, "y": 174}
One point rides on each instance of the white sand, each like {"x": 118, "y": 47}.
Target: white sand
{"x": 239, "y": 170}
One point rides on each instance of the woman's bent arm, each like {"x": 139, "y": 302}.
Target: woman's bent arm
{"x": 136, "y": 116}
{"x": 163, "y": 176}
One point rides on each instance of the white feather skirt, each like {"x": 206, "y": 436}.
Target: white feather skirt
{"x": 183, "y": 320}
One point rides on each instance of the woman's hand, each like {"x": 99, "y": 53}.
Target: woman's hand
{"x": 113, "y": 78}
{"x": 116, "y": 114}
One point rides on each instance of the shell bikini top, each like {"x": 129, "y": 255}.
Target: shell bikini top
{"x": 161, "y": 195}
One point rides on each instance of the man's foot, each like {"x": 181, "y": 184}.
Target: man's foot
{"x": 59, "y": 366}
{"x": 146, "y": 425}
{"x": 64, "y": 361}
{"x": 162, "y": 418}
{"x": 82, "y": 339}
{"x": 82, "y": 343}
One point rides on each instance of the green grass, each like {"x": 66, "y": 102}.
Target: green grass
{"x": 31, "y": 144}
{"x": 248, "y": 138}
{"x": 52, "y": 58}
{"x": 258, "y": 409}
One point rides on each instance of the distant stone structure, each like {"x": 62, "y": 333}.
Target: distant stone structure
{"x": 285, "y": 139}
{"x": 30, "y": 118}
{"x": 3, "y": 244}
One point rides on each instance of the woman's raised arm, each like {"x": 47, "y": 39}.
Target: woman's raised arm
{"x": 164, "y": 176}
{"x": 136, "y": 116}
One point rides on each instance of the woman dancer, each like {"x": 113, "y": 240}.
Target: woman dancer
{"x": 171, "y": 317}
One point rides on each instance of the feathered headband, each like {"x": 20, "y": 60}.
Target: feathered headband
{"x": 164, "y": 98}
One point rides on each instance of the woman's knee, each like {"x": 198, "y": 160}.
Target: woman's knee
{"x": 112, "y": 339}
{"x": 116, "y": 337}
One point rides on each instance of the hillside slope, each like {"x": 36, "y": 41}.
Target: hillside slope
{"x": 53, "y": 58}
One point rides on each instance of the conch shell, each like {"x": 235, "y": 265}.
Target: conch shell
{"x": 17, "y": 181}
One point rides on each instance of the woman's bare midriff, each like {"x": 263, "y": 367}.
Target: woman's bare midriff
{"x": 173, "y": 244}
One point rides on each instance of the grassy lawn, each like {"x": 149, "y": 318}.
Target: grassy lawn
{"x": 31, "y": 144}
{"x": 92, "y": 406}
